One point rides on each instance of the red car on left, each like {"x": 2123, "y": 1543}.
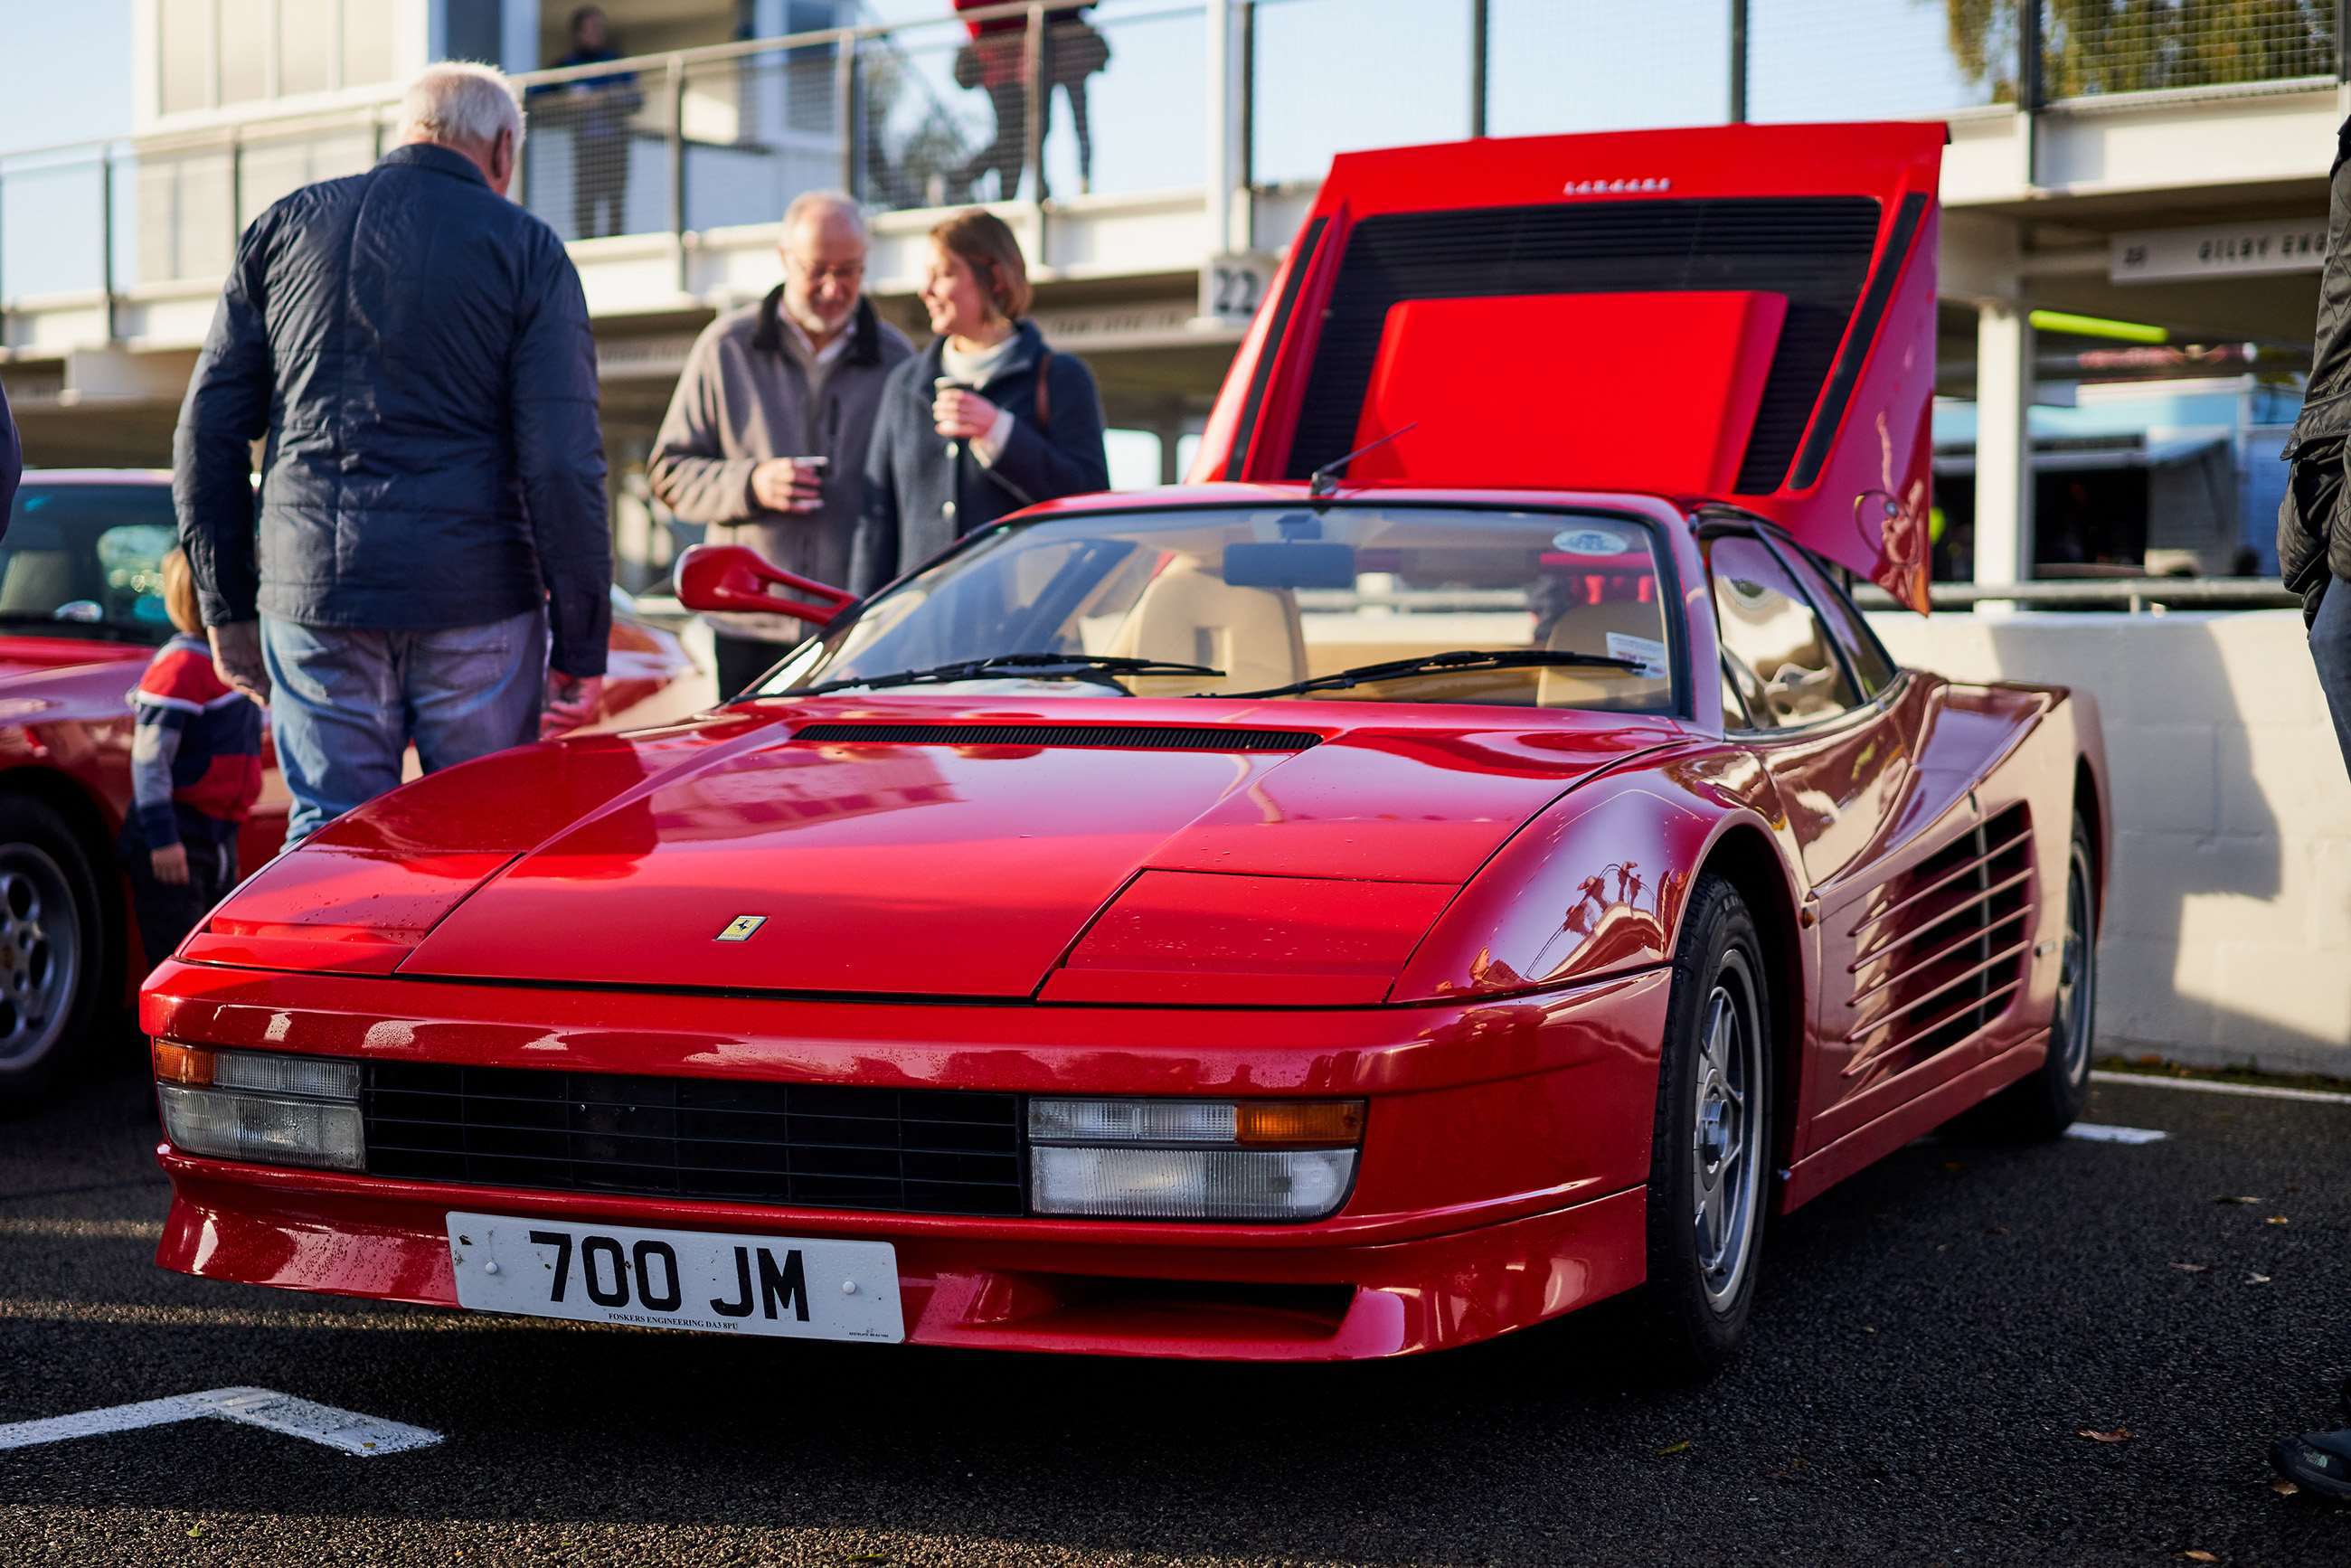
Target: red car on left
{"x": 81, "y": 612}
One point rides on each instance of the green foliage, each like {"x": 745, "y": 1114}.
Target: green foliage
{"x": 2132, "y": 46}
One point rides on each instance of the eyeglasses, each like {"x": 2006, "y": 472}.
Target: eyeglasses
{"x": 847, "y": 272}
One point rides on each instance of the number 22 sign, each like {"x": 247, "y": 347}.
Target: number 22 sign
{"x": 1232, "y": 287}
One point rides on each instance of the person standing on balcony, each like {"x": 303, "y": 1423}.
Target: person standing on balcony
{"x": 415, "y": 349}
{"x": 997, "y": 60}
{"x": 985, "y": 421}
{"x": 765, "y": 439}
{"x": 596, "y": 110}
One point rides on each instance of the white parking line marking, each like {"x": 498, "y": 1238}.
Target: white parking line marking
{"x": 84, "y": 1229}
{"x": 346, "y": 1431}
{"x": 2097, "y": 1132}
{"x": 2204, "y": 1086}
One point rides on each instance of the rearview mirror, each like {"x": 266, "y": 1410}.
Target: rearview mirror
{"x": 731, "y": 578}
{"x": 1294, "y": 563}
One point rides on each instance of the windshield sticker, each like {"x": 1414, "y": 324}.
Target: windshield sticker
{"x": 1648, "y": 651}
{"x": 1590, "y": 541}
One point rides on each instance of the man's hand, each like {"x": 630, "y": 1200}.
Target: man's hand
{"x": 169, "y": 862}
{"x": 785, "y": 485}
{"x": 236, "y": 655}
{"x": 571, "y": 701}
{"x": 963, "y": 415}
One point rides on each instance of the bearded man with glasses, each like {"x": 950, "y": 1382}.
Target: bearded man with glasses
{"x": 765, "y": 439}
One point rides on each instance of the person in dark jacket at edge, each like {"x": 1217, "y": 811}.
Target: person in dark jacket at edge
{"x": 765, "y": 439}
{"x": 985, "y": 421}
{"x": 11, "y": 463}
{"x": 416, "y": 349}
{"x": 2314, "y": 559}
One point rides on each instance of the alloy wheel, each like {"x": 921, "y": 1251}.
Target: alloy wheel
{"x": 1728, "y": 1104}
{"x": 2077, "y": 978}
{"x": 40, "y": 951}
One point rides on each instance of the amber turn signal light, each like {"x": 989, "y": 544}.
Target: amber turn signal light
{"x": 177, "y": 1064}
{"x": 1299, "y": 1122}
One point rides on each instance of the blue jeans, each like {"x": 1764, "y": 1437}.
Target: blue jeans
{"x": 2330, "y": 650}
{"x": 344, "y": 704}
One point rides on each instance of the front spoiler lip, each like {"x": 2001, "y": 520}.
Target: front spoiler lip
{"x": 1043, "y": 1286}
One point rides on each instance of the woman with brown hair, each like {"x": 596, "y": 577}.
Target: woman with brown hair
{"x": 985, "y": 421}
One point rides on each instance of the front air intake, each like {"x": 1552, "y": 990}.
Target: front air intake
{"x": 1106, "y": 736}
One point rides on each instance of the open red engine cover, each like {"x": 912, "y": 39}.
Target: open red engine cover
{"x": 1595, "y": 312}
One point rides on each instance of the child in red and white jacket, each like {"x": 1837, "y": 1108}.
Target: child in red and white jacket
{"x": 195, "y": 770}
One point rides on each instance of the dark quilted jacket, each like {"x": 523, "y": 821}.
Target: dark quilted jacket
{"x": 416, "y": 349}
{"x": 2314, "y": 530}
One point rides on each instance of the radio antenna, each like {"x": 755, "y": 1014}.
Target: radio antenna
{"x": 1324, "y": 482}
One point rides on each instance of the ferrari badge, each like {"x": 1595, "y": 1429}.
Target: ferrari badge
{"x": 739, "y": 929}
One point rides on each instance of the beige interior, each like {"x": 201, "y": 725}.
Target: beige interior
{"x": 1585, "y": 630}
{"x": 1191, "y": 616}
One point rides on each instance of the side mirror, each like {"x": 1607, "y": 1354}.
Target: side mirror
{"x": 734, "y": 578}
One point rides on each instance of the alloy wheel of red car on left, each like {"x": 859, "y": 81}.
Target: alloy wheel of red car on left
{"x": 49, "y": 984}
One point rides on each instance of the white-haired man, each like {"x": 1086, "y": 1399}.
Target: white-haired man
{"x": 765, "y": 439}
{"x": 415, "y": 350}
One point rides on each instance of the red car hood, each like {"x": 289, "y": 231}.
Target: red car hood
{"x": 965, "y": 869}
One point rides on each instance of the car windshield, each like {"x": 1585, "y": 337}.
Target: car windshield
{"x": 87, "y": 561}
{"x": 1264, "y": 598}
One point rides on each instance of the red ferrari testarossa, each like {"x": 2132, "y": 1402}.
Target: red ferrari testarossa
{"x": 1460, "y": 858}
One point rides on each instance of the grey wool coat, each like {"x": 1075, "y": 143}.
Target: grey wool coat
{"x": 744, "y": 399}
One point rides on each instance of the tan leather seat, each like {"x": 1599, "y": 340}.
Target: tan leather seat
{"x": 1192, "y": 616}
{"x": 1585, "y": 629}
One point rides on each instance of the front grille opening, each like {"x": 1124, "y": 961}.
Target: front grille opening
{"x": 1942, "y": 953}
{"x": 816, "y": 1145}
{"x": 1104, "y": 736}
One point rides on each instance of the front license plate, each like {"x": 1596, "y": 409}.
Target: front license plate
{"x": 800, "y": 1289}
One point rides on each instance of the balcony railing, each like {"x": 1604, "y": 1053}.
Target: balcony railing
{"x": 922, "y": 115}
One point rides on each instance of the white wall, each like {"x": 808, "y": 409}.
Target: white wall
{"x": 2228, "y": 927}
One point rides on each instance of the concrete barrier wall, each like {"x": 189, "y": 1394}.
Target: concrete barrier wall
{"x": 2228, "y": 927}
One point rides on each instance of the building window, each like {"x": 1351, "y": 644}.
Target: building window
{"x": 244, "y": 38}
{"x": 306, "y": 47}
{"x": 368, "y": 42}
{"x": 184, "y": 47}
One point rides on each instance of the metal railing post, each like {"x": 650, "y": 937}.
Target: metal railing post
{"x": 2030, "y": 84}
{"x": 1739, "y": 61}
{"x": 1245, "y": 124}
{"x": 676, "y": 96}
{"x": 1480, "y": 37}
{"x": 236, "y": 192}
{"x": 845, "y": 111}
{"x": 1034, "y": 101}
{"x": 106, "y": 237}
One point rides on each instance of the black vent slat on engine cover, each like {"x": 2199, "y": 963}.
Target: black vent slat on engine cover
{"x": 1106, "y": 737}
{"x": 1814, "y": 250}
{"x": 812, "y": 1144}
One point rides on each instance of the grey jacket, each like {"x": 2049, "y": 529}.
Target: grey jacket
{"x": 745, "y": 399}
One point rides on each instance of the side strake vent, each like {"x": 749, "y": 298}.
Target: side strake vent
{"x": 1816, "y": 250}
{"x": 1106, "y": 736}
{"x": 1942, "y": 950}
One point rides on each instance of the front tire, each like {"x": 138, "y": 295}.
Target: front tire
{"x": 1711, "y": 1153}
{"x": 51, "y": 948}
{"x": 2045, "y": 1103}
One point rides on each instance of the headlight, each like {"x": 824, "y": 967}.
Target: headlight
{"x": 254, "y": 1105}
{"x": 1192, "y": 1159}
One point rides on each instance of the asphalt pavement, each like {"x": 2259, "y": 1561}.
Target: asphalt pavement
{"x": 1933, "y": 1339}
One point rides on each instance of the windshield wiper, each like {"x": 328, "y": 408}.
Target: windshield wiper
{"x": 1036, "y": 666}
{"x": 1441, "y": 663}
